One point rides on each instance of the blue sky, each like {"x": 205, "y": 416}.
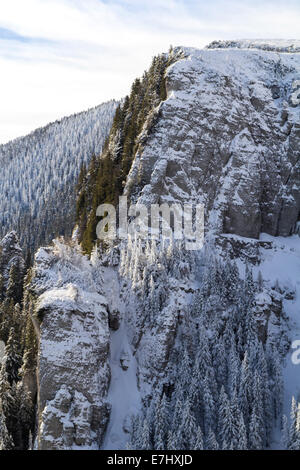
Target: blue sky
{"x": 63, "y": 56}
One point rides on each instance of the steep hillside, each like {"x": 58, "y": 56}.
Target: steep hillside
{"x": 142, "y": 343}
{"x": 228, "y": 137}
{"x": 39, "y": 174}
{"x": 106, "y": 175}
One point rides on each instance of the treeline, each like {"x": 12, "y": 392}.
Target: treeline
{"x": 223, "y": 386}
{"x": 18, "y": 366}
{"x": 104, "y": 179}
{"x": 39, "y": 174}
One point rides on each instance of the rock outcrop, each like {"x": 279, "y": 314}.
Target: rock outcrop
{"x": 228, "y": 136}
{"x": 73, "y": 372}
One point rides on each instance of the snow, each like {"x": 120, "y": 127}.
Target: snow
{"x": 38, "y": 172}
{"x": 73, "y": 281}
{"x": 74, "y": 344}
{"x": 75, "y": 418}
{"x": 280, "y": 45}
{"x": 71, "y": 298}
{"x": 197, "y": 92}
{"x": 282, "y": 263}
{"x": 123, "y": 394}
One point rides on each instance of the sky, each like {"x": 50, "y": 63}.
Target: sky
{"x": 58, "y": 57}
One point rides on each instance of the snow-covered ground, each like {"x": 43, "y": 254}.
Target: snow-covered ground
{"x": 279, "y": 45}
{"x": 123, "y": 394}
{"x": 283, "y": 263}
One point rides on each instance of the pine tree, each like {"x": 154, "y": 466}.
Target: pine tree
{"x": 12, "y": 360}
{"x": 161, "y": 423}
{"x": 209, "y": 407}
{"x": 198, "y": 440}
{"x": 285, "y": 433}
{"x": 145, "y": 437}
{"x": 294, "y": 435}
{"x": 245, "y": 391}
{"x": 256, "y": 440}
{"x": 15, "y": 282}
{"x": 188, "y": 428}
{"x": 242, "y": 443}
{"x": 212, "y": 443}
{"x": 8, "y": 404}
{"x": 226, "y": 425}
{"x": 25, "y": 415}
{"x": 2, "y": 288}
{"x": 6, "y": 442}
{"x": 171, "y": 442}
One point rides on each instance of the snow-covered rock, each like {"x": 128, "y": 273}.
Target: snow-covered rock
{"x": 73, "y": 372}
{"x": 227, "y": 136}
{"x": 274, "y": 45}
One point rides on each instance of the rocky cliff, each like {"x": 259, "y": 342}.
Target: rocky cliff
{"x": 119, "y": 330}
{"x": 227, "y": 136}
{"x": 73, "y": 373}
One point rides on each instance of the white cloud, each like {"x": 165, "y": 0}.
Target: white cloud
{"x": 82, "y": 52}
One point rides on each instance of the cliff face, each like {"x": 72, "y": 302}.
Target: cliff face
{"x": 226, "y": 136}
{"x": 73, "y": 373}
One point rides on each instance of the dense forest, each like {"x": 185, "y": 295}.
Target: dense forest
{"x": 17, "y": 396}
{"x": 202, "y": 336}
{"x": 39, "y": 173}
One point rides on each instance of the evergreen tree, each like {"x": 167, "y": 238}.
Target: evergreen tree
{"x": 6, "y": 442}
{"x": 285, "y": 433}
{"x": 256, "y": 440}
{"x": 12, "y": 360}
{"x": 294, "y": 436}
{"x": 145, "y": 437}
{"x": 15, "y": 282}
{"x": 212, "y": 443}
{"x": 198, "y": 440}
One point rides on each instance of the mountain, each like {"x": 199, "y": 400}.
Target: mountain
{"x": 143, "y": 343}
{"x": 228, "y": 137}
{"x": 40, "y": 171}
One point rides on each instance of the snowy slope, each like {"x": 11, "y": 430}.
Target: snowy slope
{"x": 276, "y": 45}
{"x": 227, "y": 136}
{"x": 123, "y": 393}
{"x": 282, "y": 264}
{"x": 39, "y": 171}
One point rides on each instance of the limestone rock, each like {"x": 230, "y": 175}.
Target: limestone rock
{"x": 73, "y": 371}
{"x": 227, "y": 137}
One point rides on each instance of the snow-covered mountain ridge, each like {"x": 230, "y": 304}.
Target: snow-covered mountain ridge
{"x": 151, "y": 346}
{"x": 274, "y": 45}
{"x": 228, "y": 137}
{"x": 39, "y": 173}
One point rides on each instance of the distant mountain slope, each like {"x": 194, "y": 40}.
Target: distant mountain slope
{"x": 39, "y": 171}
{"x": 275, "y": 45}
